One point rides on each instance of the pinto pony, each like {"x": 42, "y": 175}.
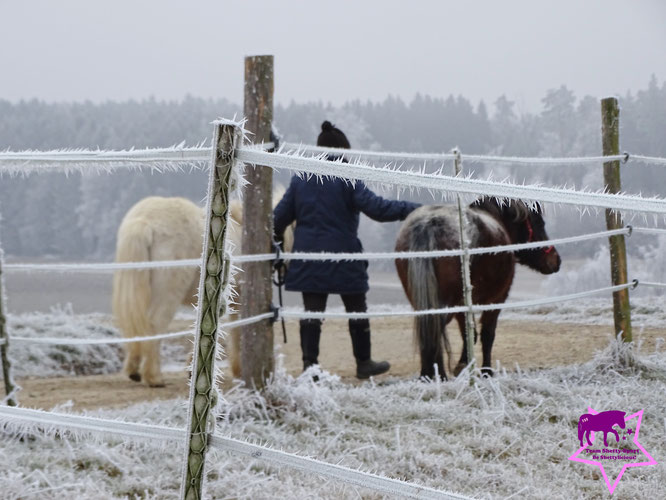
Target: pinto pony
{"x": 437, "y": 283}
{"x": 145, "y": 301}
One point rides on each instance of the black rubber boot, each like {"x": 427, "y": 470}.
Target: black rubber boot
{"x": 310, "y": 330}
{"x": 366, "y": 369}
{"x": 359, "y": 330}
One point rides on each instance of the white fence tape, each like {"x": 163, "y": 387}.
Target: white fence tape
{"x": 374, "y": 155}
{"x": 39, "y": 420}
{"x": 354, "y": 171}
{"x": 395, "y": 157}
{"x": 453, "y": 310}
{"x": 159, "y": 159}
{"x": 22, "y": 162}
{"x": 90, "y": 267}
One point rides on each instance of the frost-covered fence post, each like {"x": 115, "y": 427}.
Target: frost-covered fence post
{"x": 4, "y": 343}
{"x": 466, "y": 273}
{"x": 256, "y": 284}
{"x": 212, "y": 305}
{"x": 610, "y": 130}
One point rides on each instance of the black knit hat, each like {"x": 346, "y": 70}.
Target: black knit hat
{"x": 332, "y": 137}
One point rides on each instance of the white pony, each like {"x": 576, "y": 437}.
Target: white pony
{"x": 145, "y": 301}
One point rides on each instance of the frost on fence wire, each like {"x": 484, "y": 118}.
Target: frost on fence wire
{"x": 173, "y": 159}
{"x": 21, "y": 421}
{"x": 332, "y": 256}
{"x": 447, "y": 186}
{"x": 456, "y": 309}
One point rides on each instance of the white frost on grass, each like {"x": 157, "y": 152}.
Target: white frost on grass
{"x": 510, "y": 435}
{"x": 49, "y": 360}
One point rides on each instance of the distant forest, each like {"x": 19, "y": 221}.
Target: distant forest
{"x": 77, "y": 216}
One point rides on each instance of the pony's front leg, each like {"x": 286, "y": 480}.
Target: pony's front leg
{"x": 133, "y": 361}
{"x": 151, "y": 371}
{"x": 488, "y": 327}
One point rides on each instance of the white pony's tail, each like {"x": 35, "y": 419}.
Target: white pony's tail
{"x": 131, "y": 288}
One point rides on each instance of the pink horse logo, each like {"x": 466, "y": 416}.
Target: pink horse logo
{"x": 601, "y": 422}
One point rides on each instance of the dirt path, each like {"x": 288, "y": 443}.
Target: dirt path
{"x": 528, "y": 344}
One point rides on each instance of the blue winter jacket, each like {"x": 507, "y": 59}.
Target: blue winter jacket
{"x": 327, "y": 216}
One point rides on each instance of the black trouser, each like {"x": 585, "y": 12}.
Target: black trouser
{"x": 359, "y": 329}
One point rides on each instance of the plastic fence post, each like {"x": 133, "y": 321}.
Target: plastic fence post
{"x": 466, "y": 274}
{"x": 212, "y": 305}
{"x": 610, "y": 129}
{"x": 4, "y": 343}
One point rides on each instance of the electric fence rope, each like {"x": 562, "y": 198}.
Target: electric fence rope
{"x": 321, "y": 256}
{"x": 456, "y": 309}
{"x": 161, "y": 336}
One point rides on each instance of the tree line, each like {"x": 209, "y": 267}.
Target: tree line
{"x": 77, "y": 216}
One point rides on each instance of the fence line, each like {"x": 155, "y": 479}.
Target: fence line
{"x": 444, "y": 183}
{"x": 337, "y": 256}
{"x": 177, "y": 157}
{"x": 44, "y": 422}
{"x": 183, "y": 333}
{"x": 645, "y": 230}
{"x": 442, "y": 157}
{"x": 456, "y": 309}
{"x": 92, "y": 267}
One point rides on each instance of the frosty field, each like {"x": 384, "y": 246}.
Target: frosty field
{"x": 508, "y": 437}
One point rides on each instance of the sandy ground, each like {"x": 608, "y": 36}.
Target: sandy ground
{"x": 531, "y": 345}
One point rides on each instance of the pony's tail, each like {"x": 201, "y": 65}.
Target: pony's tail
{"x": 131, "y": 288}
{"x": 430, "y": 329}
{"x": 580, "y": 430}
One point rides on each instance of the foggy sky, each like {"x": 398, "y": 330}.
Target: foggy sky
{"x": 75, "y": 50}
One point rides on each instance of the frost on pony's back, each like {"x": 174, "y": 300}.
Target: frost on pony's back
{"x": 146, "y": 301}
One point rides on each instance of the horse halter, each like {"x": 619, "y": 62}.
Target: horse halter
{"x": 530, "y": 235}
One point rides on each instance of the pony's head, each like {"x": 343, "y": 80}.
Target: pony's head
{"x": 524, "y": 224}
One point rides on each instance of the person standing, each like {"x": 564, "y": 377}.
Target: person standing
{"x": 326, "y": 212}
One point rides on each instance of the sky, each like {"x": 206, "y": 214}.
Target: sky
{"x": 76, "y": 50}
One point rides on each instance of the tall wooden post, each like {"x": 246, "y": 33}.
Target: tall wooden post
{"x": 4, "y": 343}
{"x": 214, "y": 280}
{"x": 466, "y": 273}
{"x": 610, "y": 129}
{"x": 256, "y": 284}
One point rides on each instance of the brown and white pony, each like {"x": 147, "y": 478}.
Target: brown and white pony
{"x": 145, "y": 301}
{"x": 437, "y": 283}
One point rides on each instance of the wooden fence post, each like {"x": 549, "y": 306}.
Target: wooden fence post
{"x": 214, "y": 281}
{"x": 610, "y": 130}
{"x": 4, "y": 343}
{"x": 466, "y": 273}
{"x": 256, "y": 285}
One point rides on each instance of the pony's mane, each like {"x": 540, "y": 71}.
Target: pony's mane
{"x": 515, "y": 210}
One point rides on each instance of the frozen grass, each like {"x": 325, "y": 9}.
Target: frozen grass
{"x": 507, "y": 437}
{"x": 48, "y": 360}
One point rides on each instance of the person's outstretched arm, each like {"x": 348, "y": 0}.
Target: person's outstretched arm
{"x": 380, "y": 209}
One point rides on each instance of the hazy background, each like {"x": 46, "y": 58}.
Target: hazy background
{"x": 516, "y": 77}
{"x": 75, "y": 50}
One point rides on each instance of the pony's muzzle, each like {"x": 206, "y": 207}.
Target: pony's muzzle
{"x": 552, "y": 261}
